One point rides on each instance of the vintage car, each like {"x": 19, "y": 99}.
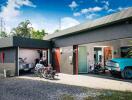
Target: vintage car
{"x": 24, "y": 66}
{"x": 120, "y": 65}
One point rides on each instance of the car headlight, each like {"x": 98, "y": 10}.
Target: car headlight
{"x": 116, "y": 65}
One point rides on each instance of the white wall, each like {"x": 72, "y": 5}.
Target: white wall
{"x": 30, "y": 54}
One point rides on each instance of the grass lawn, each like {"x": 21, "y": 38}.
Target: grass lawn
{"x": 112, "y": 95}
{"x": 104, "y": 95}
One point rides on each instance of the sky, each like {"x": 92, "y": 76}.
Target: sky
{"x": 51, "y": 15}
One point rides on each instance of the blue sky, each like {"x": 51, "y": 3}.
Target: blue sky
{"x": 48, "y": 14}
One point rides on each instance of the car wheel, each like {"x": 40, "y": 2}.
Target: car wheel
{"x": 126, "y": 73}
{"x": 112, "y": 73}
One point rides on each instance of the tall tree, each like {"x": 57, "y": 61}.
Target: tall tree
{"x": 3, "y": 34}
{"x": 38, "y": 34}
{"x": 24, "y": 29}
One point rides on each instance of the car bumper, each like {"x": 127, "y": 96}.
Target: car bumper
{"x": 114, "y": 69}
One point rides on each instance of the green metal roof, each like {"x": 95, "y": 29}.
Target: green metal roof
{"x": 106, "y": 20}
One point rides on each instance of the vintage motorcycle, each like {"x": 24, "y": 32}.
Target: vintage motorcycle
{"x": 45, "y": 72}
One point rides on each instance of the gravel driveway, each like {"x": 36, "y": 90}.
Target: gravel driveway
{"x": 35, "y": 88}
{"x": 24, "y": 89}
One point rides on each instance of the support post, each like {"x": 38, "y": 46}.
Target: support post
{"x": 75, "y": 59}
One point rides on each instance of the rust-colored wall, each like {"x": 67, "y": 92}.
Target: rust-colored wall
{"x": 56, "y": 59}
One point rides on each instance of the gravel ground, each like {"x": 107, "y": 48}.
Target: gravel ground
{"x": 24, "y": 89}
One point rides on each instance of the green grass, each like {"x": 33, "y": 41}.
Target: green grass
{"x": 66, "y": 97}
{"x": 104, "y": 95}
{"x": 112, "y": 95}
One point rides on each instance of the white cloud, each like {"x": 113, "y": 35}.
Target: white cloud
{"x": 106, "y": 4}
{"x": 12, "y": 14}
{"x": 25, "y": 2}
{"x": 97, "y": 9}
{"x": 38, "y": 22}
{"x": 111, "y": 10}
{"x": 91, "y": 16}
{"x": 73, "y": 5}
{"x": 89, "y": 10}
{"x": 68, "y": 22}
{"x": 84, "y": 11}
{"x": 77, "y": 14}
{"x": 122, "y": 8}
{"x": 11, "y": 10}
{"x": 48, "y": 25}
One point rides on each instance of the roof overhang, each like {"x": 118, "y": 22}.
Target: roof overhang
{"x": 24, "y": 43}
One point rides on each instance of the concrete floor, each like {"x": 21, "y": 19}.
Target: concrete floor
{"x": 91, "y": 81}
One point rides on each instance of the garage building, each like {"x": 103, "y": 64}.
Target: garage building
{"x": 12, "y": 49}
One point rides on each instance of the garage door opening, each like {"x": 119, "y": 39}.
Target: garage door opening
{"x": 28, "y": 58}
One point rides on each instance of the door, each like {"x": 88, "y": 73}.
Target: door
{"x": 97, "y": 55}
{"x": 82, "y": 60}
{"x": 107, "y": 54}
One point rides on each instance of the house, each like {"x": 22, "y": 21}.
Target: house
{"x": 76, "y": 49}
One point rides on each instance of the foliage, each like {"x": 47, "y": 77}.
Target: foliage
{"x": 3, "y": 34}
{"x": 38, "y": 34}
{"x": 23, "y": 29}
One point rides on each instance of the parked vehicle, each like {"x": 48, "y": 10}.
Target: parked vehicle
{"x": 45, "y": 72}
{"x": 23, "y": 65}
{"x": 120, "y": 65}
{"x": 49, "y": 73}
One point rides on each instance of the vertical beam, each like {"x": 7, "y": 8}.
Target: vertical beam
{"x": 17, "y": 58}
{"x": 48, "y": 56}
{"x": 56, "y": 59}
{"x": 75, "y": 59}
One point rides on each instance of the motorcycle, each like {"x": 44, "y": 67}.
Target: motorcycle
{"x": 46, "y": 72}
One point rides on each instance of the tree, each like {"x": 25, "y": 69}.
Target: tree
{"x": 57, "y": 30}
{"x": 3, "y": 34}
{"x": 38, "y": 34}
{"x": 23, "y": 29}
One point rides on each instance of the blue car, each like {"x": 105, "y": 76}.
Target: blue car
{"x": 120, "y": 65}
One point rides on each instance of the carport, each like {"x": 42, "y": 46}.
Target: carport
{"x": 14, "y": 48}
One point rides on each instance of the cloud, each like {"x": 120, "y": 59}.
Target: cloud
{"x": 91, "y": 16}
{"x": 122, "y": 8}
{"x": 111, "y": 10}
{"x": 89, "y": 10}
{"x": 84, "y": 11}
{"x": 25, "y": 2}
{"x": 106, "y": 4}
{"x": 73, "y": 5}
{"x": 12, "y": 14}
{"x": 118, "y": 9}
{"x": 67, "y": 22}
{"x": 77, "y": 14}
{"x": 12, "y": 9}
